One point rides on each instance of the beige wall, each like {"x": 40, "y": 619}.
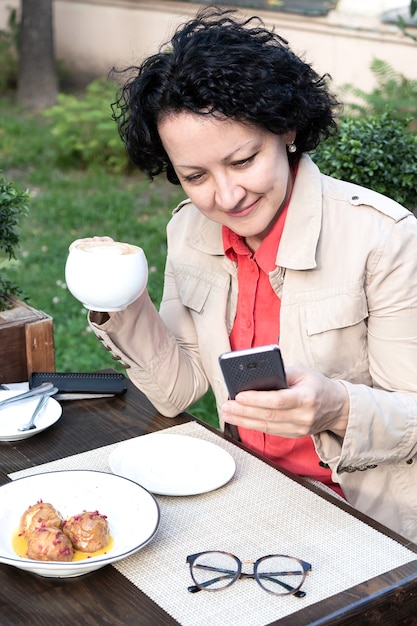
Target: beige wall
{"x": 93, "y": 35}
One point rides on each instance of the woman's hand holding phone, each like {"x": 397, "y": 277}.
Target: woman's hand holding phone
{"x": 311, "y": 404}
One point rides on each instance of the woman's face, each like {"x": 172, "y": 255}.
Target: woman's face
{"x": 236, "y": 174}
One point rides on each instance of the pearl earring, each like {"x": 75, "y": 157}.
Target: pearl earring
{"x": 292, "y": 148}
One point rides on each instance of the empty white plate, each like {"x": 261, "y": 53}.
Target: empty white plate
{"x": 173, "y": 465}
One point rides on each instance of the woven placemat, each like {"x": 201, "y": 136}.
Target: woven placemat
{"x": 260, "y": 511}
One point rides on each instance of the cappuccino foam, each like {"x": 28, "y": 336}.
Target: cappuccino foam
{"x": 108, "y": 247}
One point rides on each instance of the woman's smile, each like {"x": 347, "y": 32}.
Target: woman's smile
{"x": 240, "y": 212}
{"x": 235, "y": 173}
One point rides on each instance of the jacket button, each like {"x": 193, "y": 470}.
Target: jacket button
{"x": 323, "y": 464}
{"x": 410, "y": 461}
{"x": 355, "y": 197}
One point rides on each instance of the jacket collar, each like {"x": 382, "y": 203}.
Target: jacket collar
{"x": 299, "y": 239}
{"x": 297, "y": 249}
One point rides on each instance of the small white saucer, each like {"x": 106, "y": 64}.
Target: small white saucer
{"x": 13, "y": 416}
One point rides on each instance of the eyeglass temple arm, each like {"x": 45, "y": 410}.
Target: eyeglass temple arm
{"x": 270, "y": 576}
{"x": 297, "y": 594}
{"x": 212, "y": 581}
{"x": 194, "y": 589}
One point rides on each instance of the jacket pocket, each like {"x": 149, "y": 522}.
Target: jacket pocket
{"x": 193, "y": 292}
{"x": 336, "y": 329}
{"x": 195, "y": 284}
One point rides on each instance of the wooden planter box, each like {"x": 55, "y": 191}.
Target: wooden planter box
{"x": 26, "y": 343}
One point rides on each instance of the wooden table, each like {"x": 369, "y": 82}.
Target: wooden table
{"x": 107, "y": 597}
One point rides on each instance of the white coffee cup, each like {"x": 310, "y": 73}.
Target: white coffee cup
{"x": 106, "y": 275}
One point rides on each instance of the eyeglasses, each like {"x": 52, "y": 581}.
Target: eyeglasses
{"x": 278, "y": 574}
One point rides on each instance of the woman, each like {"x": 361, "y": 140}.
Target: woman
{"x": 266, "y": 250}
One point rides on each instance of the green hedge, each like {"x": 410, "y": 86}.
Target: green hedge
{"x": 376, "y": 152}
{"x": 13, "y": 206}
{"x": 83, "y": 133}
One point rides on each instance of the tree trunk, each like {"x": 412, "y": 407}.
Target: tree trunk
{"x": 37, "y": 85}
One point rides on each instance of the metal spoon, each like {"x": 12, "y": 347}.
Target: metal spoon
{"x": 41, "y": 404}
{"x": 36, "y": 391}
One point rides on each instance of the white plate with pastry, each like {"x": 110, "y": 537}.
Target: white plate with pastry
{"x": 131, "y": 512}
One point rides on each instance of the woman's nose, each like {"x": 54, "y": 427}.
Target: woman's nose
{"x": 228, "y": 194}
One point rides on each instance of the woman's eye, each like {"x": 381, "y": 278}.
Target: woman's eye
{"x": 244, "y": 162}
{"x": 193, "y": 178}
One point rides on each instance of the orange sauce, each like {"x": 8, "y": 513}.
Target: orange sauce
{"x": 20, "y": 546}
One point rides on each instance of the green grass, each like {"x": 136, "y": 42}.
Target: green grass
{"x": 67, "y": 203}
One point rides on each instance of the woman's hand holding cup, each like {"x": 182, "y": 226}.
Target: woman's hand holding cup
{"x": 105, "y": 275}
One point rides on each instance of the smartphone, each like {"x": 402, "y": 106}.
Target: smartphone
{"x": 258, "y": 368}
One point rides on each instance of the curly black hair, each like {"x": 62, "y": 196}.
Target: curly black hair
{"x": 218, "y": 64}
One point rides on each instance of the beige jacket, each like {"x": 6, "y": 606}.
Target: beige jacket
{"x": 347, "y": 278}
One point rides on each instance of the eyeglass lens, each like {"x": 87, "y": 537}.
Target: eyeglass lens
{"x": 280, "y": 575}
{"x": 215, "y": 570}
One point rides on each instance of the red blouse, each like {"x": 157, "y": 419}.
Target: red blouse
{"x": 256, "y": 324}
